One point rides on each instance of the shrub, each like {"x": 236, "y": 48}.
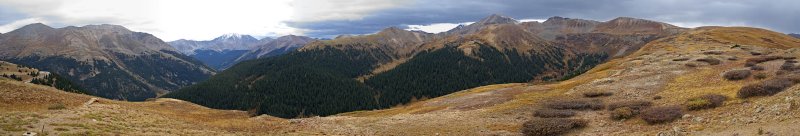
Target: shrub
{"x": 661, "y": 114}
{"x": 757, "y": 68}
{"x": 791, "y": 61}
{"x": 680, "y": 59}
{"x": 551, "y": 126}
{"x": 691, "y": 65}
{"x": 57, "y": 106}
{"x": 755, "y": 53}
{"x": 622, "y": 113}
{"x": 710, "y": 61}
{"x": 733, "y": 58}
{"x": 789, "y": 58}
{"x": 736, "y": 74}
{"x": 553, "y": 113}
{"x": 632, "y": 104}
{"x": 787, "y": 66}
{"x": 756, "y": 60}
{"x": 767, "y": 87}
{"x": 760, "y": 75}
{"x": 582, "y": 104}
{"x": 597, "y": 94}
{"x": 705, "y": 102}
{"x": 656, "y": 97}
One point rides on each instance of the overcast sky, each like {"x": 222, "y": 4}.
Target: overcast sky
{"x": 206, "y": 19}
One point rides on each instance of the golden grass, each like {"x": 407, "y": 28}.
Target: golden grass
{"x": 510, "y": 127}
{"x": 420, "y": 107}
{"x": 559, "y": 88}
{"x": 701, "y": 82}
{"x": 752, "y": 36}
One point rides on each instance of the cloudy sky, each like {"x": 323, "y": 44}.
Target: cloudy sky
{"x": 206, "y": 19}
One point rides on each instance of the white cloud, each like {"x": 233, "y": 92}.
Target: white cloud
{"x": 442, "y": 27}
{"x": 531, "y": 20}
{"x": 20, "y": 23}
{"x": 331, "y": 10}
{"x": 167, "y": 19}
{"x": 437, "y": 27}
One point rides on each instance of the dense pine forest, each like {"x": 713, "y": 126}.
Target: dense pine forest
{"x": 323, "y": 81}
{"x": 59, "y": 83}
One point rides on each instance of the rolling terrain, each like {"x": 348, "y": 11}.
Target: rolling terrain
{"x": 109, "y": 61}
{"x": 394, "y": 66}
{"x": 668, "y": 71}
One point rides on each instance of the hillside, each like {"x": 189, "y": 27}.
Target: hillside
{"x": 106, "y": 60}
{"x": 395, "y": 66}
{"x": 31, "y": 75}
{"x": 666, "y": 68}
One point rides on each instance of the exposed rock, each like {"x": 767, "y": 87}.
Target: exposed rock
{"x": 686, "y": 116}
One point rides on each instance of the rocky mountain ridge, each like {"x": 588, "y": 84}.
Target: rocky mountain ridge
{"x": 107, "y": 60}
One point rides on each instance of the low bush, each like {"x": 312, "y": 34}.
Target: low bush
{"x": 733, "y": 58}
{"x": 553, "y": 113}
{"x": 791, "y": 61}
{"x": 581, "y": 104}
{"x": 705, "y": 102}
{"x": 597, "y": 94}
{"x": 755, "y": 53}
{"x": 710, "y": 61}
{"x": 760, "y": 75}
{"x": 788, "y": 66}
{"x": 623, "y": 113}
{"x": 713, "y": 52}
{"x": 757, "y": 68}
{"x": 57, "y": 106}
{"x": 767, "y": 87}
{"x": 632, "y": 104}
{"x": 551, "y": 126}
{"x": 736, "y": 74}
{"x": 680, "y": 59}
{"x": 756, "y": 60}
{"x": 663, "y": 114}
{"x": 691, "y": 65}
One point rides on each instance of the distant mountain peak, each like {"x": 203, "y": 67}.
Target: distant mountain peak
{"x": 35, "y": 27}
{"x": 497, "y": 19}
{"x": 555, "y": 18}
{"x": 235, "y": 36}
{"x": 795, "y": 35}
{"x": 392, "y": 30}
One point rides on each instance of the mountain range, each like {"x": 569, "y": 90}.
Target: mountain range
{"x": 395, "y": 66}
{"x": 106, "y": 60}
{"x": 643, "y": 78}
{"x": 795, "y": 35}
{"x": 229, "y": 49}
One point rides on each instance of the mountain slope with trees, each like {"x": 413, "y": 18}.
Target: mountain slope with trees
{"x": 106, "y": 60}
{"x": 395, "y": 66}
